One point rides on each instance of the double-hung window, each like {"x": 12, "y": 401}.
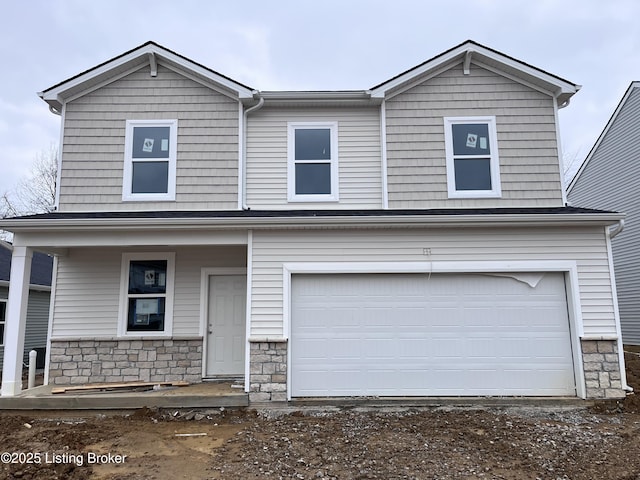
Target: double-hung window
{"x": 146, "y": 296}
{"x": 3, "y": 317}
{"x": 473, "y": 166}
{"x": 150, "y": 160}
{"x": 313, "y": 161}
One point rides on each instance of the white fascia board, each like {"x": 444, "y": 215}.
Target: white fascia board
{"x": 320, "y": 98}
{"x": 559, "y": 85}
{"x": 57, "y": 94}
{"x": 208, "y": 224}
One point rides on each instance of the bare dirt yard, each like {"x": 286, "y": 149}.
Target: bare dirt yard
{"x": 601, "y": 442}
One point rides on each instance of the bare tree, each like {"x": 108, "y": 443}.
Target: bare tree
{"x": 571, "y": 162}
{"x": 35, "y": 193}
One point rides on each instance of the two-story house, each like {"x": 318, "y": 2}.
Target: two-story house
{"x": 411, "y": 239}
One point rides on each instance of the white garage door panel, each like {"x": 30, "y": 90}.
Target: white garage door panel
{"x": 411, "y": 334}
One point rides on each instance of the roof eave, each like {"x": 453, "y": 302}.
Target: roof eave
{"x": 462, "y": 220}
{"x": 562, "y": 88}
{"x": 139, "y": 56}
{"x": 603, "y": 134}
{"x": 329, "y": 97}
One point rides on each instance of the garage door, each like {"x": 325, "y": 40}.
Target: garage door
{"x": 430, "y": 335}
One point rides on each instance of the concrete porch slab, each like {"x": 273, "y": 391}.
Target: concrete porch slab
{"x": 198, "y": 395}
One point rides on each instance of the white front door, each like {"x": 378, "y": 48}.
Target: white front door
{"x": 226, "y": 325}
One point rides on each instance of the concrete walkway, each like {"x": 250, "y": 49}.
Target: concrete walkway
{"x": 199, "y": 395}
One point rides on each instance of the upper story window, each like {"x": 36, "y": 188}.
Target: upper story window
{"x": 147, "y": 294}
{"x": 150, "y": 160}
{"x": 473, "y": 167}
{"x": 313, "y": 161}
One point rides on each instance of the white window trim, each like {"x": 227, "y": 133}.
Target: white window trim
{"x": 170, "y": 257}
{"x": 496, "y": 191}
{"x": 127, "y": 176}
{"x": 4, "y": 321}
{"x": 291, "y": 162}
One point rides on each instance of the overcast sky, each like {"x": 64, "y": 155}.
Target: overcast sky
{"x": 301, "y": 45}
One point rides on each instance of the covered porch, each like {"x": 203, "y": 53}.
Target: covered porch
{"x": 146, "y": 300}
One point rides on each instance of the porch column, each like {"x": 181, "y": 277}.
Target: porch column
{"x": 16, "y": 319}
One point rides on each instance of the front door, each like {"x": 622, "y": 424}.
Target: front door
{"x": 226, "y": 325}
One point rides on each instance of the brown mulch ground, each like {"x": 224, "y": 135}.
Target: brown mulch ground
{"x": 382, "y": 443}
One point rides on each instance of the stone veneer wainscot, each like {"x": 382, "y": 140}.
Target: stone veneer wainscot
{"x": 95, "y": 361}
{"x": 602, "y": 369}
{"x": 268, "y": 371}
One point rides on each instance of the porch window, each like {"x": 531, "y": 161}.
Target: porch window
{"x": 3, "y": 315}
{"x": 150, "y": 160}
{"x": 473, "y": 167}
{"x": 147, "y": 294}
{"x": 313, "y": 161}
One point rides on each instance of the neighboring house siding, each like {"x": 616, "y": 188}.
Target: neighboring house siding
{"x": 527, "y": 142}
{"x": 94, "y": 143}
{"x": 587, "y": 246}
{"x": 88, "y": 289}
{"x": 37, "y": 322}
{"x": 360, "y": 177}
{"x": 610, "y": 182}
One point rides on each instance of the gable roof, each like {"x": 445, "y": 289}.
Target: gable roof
{"x": 147, "y": 54}
{"x": 41, "y": 266}
{"x": 472, "y": 52}
{"x": 150, "y": 54}
{"x": 603, "y": 134}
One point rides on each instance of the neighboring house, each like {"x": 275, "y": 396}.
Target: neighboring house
{"x": 38, "y": 306}
{"x": 607, "y": 179}
{"x": 411, "y": 239}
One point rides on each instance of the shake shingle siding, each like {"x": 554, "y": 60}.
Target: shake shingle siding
{"x": 609, "y": 180}
{"x": 526, "y": 130}
{"x": 94, "y": 142}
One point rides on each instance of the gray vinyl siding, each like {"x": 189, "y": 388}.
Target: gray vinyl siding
{"x": 526, "y": 130}
{"x": 610, "y": 182}
{"x": 37, "y": 322}
{"x": 87, "y": 298}
{"x": 586, "y": 246}
{"x": 360, "y": 160}
{"x": 94, "y": 137}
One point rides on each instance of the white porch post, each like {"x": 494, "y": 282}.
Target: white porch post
{"x": 16, "y": 319}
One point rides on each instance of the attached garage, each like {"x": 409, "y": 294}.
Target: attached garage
{"x": 442, "y": 334}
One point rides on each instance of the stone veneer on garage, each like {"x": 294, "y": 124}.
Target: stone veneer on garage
{"x": 268, "y": 371}
{"x": 95, "y": 361}
{"x": 602, "y": 369}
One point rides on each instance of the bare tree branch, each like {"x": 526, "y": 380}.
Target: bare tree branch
{"x": 36, "y": 193}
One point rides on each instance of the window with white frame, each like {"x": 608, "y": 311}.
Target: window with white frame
{"x": 146, "y": 298}
{"x": 150, "y": 160}
{"x": 313, "y": 161}
{"x": 3, "y": 317}
{"x": 473, "y": 166}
